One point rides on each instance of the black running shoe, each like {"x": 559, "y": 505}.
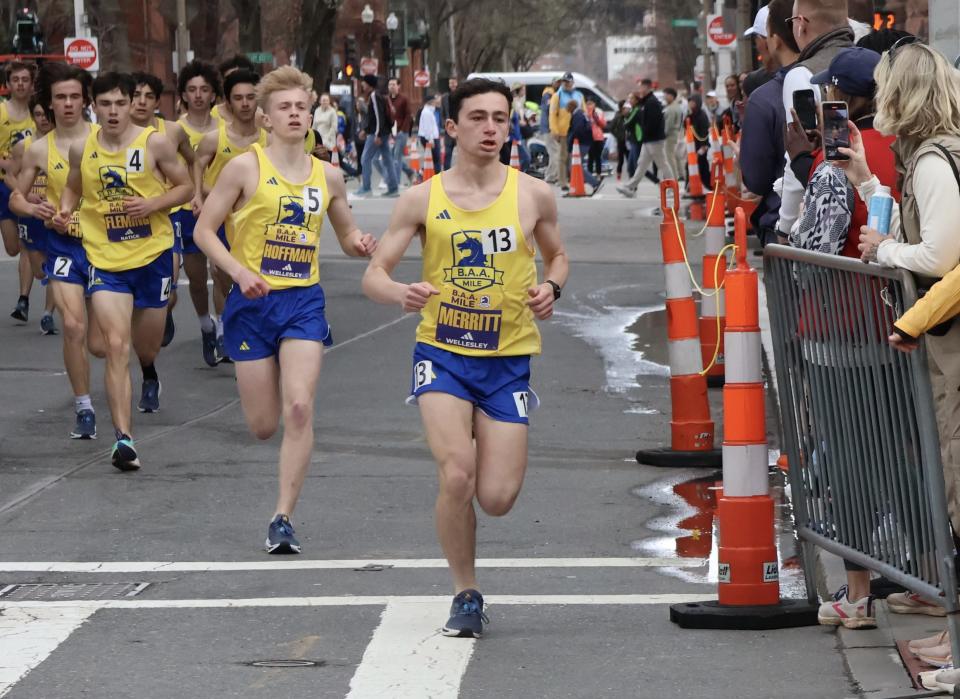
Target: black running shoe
{"x": 149, "y": 396}
{"x": 466, "y": 616}
{"x": 22, "y": 310}
{"x": 210, "y": 354}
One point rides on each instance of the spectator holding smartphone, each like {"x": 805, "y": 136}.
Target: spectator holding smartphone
{"x": 918, "y": 101}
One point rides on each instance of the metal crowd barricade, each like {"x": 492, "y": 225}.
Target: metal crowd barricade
{"x": 859, "y": 424}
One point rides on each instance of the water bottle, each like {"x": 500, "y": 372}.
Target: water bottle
{"x": 881, "y": 205}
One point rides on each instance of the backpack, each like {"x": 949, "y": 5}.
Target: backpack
{"x": 827, "y": 212}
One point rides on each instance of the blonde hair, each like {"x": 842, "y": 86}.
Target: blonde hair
{"x": 918, "y": 94}
{"x": 283, "y": 78}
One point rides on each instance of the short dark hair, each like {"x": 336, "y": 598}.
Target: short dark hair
{"x": 670, "y": 91}
{"x": 16, "y": 66}
{"x": 112, "y": 80}
{"x": 52, "y": 73}
{"x": 237, "y": 62}
{"x": 474, "y": 87}
{"x": 199, "y": 69}
{"x": 647, "y": 82}
{"x": 882, "y": 40}
{"x": 150, "y": 80}
{"x": 239, "y": 77}
{"x": 779, "y": 12}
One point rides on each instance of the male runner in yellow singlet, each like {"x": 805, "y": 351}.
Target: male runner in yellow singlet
{"x": 223, "y": 145}
{"x": 274, "y": 318}
{"x": 16, "y": 123}
{"x": 64, "y": 91}
{"x": 32, "y": 231}
{"x": 478, "y": 298}
{"x": 129, "y": 178}
{"x": 198, "y": 87}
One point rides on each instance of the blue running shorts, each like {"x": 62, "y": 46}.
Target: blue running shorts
{"x": 5, "y": 193}
{"x": 187, "y": 223}
{"x": 254, "y": 328}
{"x": 499, "y": 386}
{"x": 176, "y": 222}
{"x": 149, "y": 285}
{"x": 33, "y": 233}
{"x": 66, "y": 260}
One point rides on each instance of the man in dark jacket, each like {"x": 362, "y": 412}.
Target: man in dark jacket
{"x": 652, "y": 144}
{"x": 761, "y": 141}
{"x": 448, "y": 141}
{"x": 581, "y": 130}
{"x": 700, "y": 121}
{"x": 375, "y": 133}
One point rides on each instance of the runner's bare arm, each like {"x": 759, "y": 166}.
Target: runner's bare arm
{"x": 546, "y": 233}
{"x": 236, "y": 183}
{"x": 164, "y": 156}
{"x": 30, "y": 166}
{"x": 407, "y": 220}
{"x": 16, "y": 156}
{"x": 72, "y": 191}
{"x": 353, "y": 241}
{"x": 182, "y": 141}
{"x": 206, "y": 152}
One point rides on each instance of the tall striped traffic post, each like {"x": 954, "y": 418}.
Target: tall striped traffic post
{"x": 691, "y": 429}
{"x": 694, "y": 183}
{"x": 748, "y": 571}
{"x": 712, "y": 307}
{"x": 729, "y": 171}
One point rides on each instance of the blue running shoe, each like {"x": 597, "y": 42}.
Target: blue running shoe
{"x": 209, "y": 340}
{"x": 48, "y": 326}
{"x": 466, "y": 616}
{"x": 149, "y": 396}
{"x": 169, "y": 329}
{"x": 124, "y": 455}
{"x": 86, "y": 427}
{"x": 280, "y": 538}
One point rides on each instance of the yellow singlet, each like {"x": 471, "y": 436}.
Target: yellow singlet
{"x": 12, "y": 132}
{"x": 39, "y": 186}
{"x": 115, "y": 241}
{"x": 278, "y": 230}
{"x": 311, "y": 142}
{"x": 192, "y": 134}
{"x": 482, "y": 264}
{"x": 227, "y": 150}
{"x": 58, "y": 167}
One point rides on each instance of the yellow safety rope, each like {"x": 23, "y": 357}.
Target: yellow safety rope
{"x": 713, "y": 203}
{"x": 683, "y": 248}
{"x": 732, "y": 247}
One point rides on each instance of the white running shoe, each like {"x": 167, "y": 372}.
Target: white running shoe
{"x": 912, "y": 603}
{"x": 852, "y": 615}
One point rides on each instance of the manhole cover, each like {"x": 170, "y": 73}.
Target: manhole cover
{"x": 52, "y": 592}
{"x": 286, "y": 663}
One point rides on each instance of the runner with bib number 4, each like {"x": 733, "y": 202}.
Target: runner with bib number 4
{"x": 478, "y": 298}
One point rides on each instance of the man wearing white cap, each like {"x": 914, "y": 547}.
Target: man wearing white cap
{"x": 759, "y": 33}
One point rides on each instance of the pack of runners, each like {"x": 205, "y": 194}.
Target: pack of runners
{"x": 108, "y": 212}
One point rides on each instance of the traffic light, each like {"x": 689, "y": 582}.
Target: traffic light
{"x": 27, "y": 35}
{"x": 350, "y": 56}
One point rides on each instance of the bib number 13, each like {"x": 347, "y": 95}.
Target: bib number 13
{"x": 501, "y": 239}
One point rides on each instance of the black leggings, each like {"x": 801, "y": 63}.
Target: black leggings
{"x": 621, "y": 155}
{"x": 594, "y": 156}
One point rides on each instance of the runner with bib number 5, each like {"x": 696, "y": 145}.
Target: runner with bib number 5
{"x": 478, "y": 298}
{"x": 274, "y": 322}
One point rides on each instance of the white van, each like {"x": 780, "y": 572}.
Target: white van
{"x": 535, "y": 83}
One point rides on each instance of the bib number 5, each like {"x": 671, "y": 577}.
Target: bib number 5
{"x": 313, "y": 200}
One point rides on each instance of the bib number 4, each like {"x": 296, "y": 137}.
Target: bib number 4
{"x": 135, "y": 159}
{"x": 500, "y": 239}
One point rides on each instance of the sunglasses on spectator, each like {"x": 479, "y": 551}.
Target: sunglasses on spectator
{"x": 790, "y": 20}
{"x": 901, "y": 42}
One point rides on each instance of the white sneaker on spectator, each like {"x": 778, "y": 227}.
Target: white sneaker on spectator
{"x": 919, "y": 644}
{"x": 852, "y": 615}
{"x": 928, "y": 679}
{"x": 946, "y": 679}
{"x": 382, "y": 185}
{"x": 937, "y": 656}
{"x": 912, "y": 603}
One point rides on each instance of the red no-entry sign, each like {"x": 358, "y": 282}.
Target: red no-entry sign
{"x": 83, "y": 52}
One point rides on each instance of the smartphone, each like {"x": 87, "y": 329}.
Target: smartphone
{"x": 805, "y": 105}
{"x": 836, "y": 130}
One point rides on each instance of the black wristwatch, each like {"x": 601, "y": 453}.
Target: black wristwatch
{"x": 556, "y": 288}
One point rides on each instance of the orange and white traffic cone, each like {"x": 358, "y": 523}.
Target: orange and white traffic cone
{"x": 414, "y": 157}
{"x": 712, "y": 310}
{"x": 691, "y": 429}
{"x": 694, "y": 183}
{"x": 428, "y": 168}
{"x": 577, "y": 186}
{"x": 514, "y": 156}
{"x": 729, "y": 171}
{"x": 334, "y": 157}
{"x": 748, "y": 570}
